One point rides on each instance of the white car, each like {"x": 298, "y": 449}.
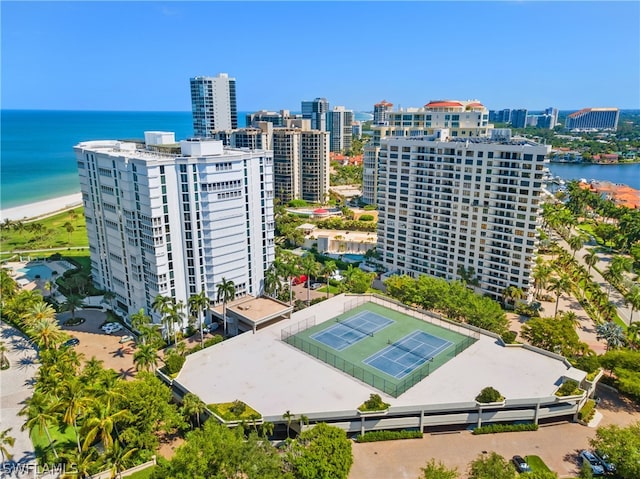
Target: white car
{"x": 112, "y": 328}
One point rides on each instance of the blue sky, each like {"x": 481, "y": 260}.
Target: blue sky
{"x": 140, "y": 55}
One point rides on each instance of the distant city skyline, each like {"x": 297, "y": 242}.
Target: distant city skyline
{"x": 139, "y": 56}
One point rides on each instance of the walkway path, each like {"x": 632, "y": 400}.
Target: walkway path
{"x": 604, "y": 259}
{"x": 17, "y": 386}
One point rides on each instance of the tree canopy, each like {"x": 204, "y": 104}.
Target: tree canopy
{"x": 622, "y": 445}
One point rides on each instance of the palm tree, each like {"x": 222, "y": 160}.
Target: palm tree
{"x": 73, "y": 403}
{"x": 109, "y": 296}
{"x": 611, "y": 333}
{"x": 633, "y": 300}
{"x": 163, "y": 305}
{"x": 541, "y": 274}
{"x": 289, "y": 417}
{"x": 633, "y": 335}
{"x": 101, "y": 423}
{"x": 575, "y": 243}
{"x": 330, "y": 267}
{"x": 119, "y": 457}
{"x": 39, "y": 412}
{"x": 198, "y": 304}
{"x": 226, "y": 291}
{"x": 3, "y": 355}
{"x": 511, "y": 294}
{"x": 272, "y": 282}
{"x": 559, "y": 285}
{"x": 47, "y": 333}
{"x": 310, "y": 267}
{"x": 70, "y": 229}
{"x": 37, "y": 312}
{"x": 72, "y": 304}
{"x": 146, "y": 357}
{"x": 591, "y": 259}
{"x": 192, "y": 406}
{"x": 82, "y": 461}
{"x": 6, "y": 440}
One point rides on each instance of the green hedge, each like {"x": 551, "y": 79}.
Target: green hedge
{"x": 375, "y": 436}
{"x": 174, "y": 363}
{"x": 588, "y": 411}
{"x": 494, "y": 428}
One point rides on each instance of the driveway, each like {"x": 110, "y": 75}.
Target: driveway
{"x": 95, "y": 342}
{"x": 557, "y": 444}
{"x": 17, "y": 386}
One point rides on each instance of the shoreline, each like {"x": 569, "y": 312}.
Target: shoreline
{"x": 41, "y": 209}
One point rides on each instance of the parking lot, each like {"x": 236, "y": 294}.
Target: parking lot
{"x": 95, "y": 342}
{"x": 557, "y": 444}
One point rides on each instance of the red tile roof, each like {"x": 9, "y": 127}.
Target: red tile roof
{"x": 442, "y": 103}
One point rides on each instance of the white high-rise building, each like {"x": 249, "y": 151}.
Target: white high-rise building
{"x": 448, "y": 203}
{"x": 213, "y": 102}
{"x": 175, "y": 219}
{"x": 339, "y": 121}
{"x": 463, "y": 119}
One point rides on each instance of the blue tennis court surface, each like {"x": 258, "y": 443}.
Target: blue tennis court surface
{"x": 345, "y": 333}
{"x": 407, "y": 354}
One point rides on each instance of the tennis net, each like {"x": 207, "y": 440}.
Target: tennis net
{"x": 411, "y": 351}
{"x": 346, "y": 323}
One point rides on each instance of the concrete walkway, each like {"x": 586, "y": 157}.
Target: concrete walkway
{"x": 16, "y": 385}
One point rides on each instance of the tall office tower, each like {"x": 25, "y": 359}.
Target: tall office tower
{"x": 463, "y": 118}
{"x": 314, "y": 165}
{"x": 519, "y": 118}
{"x": 174, "y": 220}
{"x": 450, "y": 203}
{"x": 339, "y": 122}
{"x": 213, "y": 102}
{"x": 500, "y": 116}
{"x": 594, "y": 119}
{"x": 553, "y": 112}
{"x": 316, "y": 110}
{"x": 286, "y": 164}
{"x": 276, "y": 118}
{"x": 381, "y": 111}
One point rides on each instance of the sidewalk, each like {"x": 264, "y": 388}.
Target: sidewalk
{"x": 16, "y": 386}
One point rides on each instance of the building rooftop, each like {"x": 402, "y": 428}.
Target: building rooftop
{"x": 273, "y": 376}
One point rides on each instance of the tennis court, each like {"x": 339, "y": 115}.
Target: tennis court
{"x": 347, "y": 332}
{"x": 385, "y": 348}
{"x": 404, "y": 356}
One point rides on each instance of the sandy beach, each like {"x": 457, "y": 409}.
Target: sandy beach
{"x": 41, "y": 208}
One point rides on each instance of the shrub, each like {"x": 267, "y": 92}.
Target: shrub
{"x": 587, "y": 411}
{"x": 495, "y": 428}
{"x": 489, "y": 394}
{"x": 590, "y": 364}
{"x": 174, "y": 363}
{"x": 234, "y": 411}
{"x": 211, "y": 341}
{"x": 366, "y": 218}
{"x": 74, "y": 321}
{"x": 568, "y": 388}
{"x": 374, "y": 403}
{"x": 375, "y": 436}
{"x": 509, "y": 337}
{"x": 370, "y": 207}
{"x": 297, "y": 203}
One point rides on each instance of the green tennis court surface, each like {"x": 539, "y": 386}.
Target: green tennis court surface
{"x": 386, "y": 349}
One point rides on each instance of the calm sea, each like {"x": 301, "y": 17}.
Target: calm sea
{"x": 38, "y": 163}
{"x": 628, "y": 174}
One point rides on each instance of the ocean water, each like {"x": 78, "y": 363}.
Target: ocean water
{"x": 37, "y": 159}
{"x": 628, "y": 174}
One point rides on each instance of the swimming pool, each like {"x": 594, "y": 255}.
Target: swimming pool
{"x": 352, "y": 258}
{"x": 36, "y": 270}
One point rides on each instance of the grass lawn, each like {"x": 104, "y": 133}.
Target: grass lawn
{"x": 61, "y": 439}
{"x": 53, "y": 233}
{"x": 144, "y": 474}
{"x": 536, "y": 463}
{"x": 332, "y": 289}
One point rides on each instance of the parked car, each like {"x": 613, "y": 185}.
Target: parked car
{"x": 316, "y": 285}
{"x": 210, "y": 328}
{"x": 521, "y": 464}
{"x": 112, "y": 328}
{"x": 587, "y": 457}
{"x": 126, "y": 339}
{"x": 604, "y": 460}
{"x": 71, "y": 342}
